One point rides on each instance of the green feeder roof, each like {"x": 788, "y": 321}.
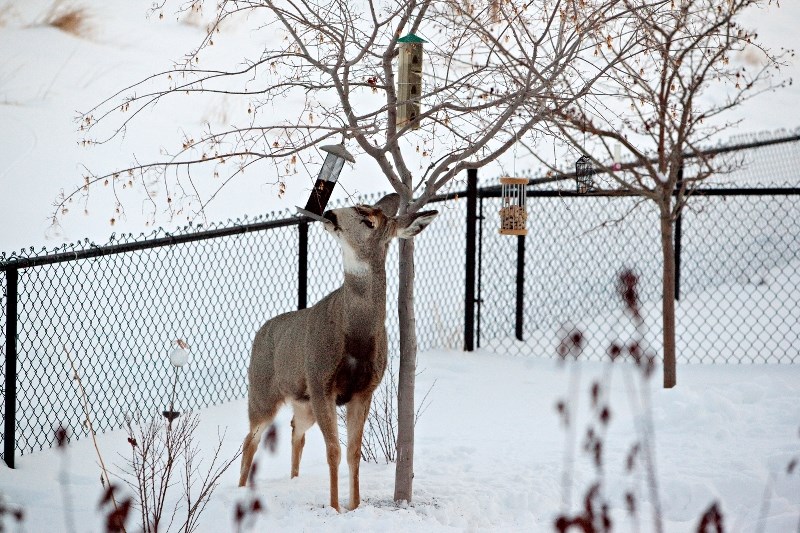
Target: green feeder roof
{"x": 411, "y": 38}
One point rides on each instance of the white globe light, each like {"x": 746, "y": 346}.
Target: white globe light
{"x": 179, "y": 357}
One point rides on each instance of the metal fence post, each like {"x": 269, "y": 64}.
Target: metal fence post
{"x": 469, "y": 281}
{"x": 678, "y": 230}
{"x": 302, "y": 265}
{"x": 479, "y": 275}
{"x": 520, "y": 285}
{"x": 9, "y": 431}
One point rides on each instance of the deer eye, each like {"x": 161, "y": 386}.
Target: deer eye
{"x": 368, "y": 223}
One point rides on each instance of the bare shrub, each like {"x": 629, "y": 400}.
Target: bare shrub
{"x": 380, "y": 431}
{"x": 379, "y": 444}
{"x": 69, "y": 18}
{"x": 163, "y": 456}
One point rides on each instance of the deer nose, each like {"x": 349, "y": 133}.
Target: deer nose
{"x": 330, "y": 215}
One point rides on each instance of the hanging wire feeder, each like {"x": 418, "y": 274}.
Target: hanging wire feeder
{"x": 513, "y": 212}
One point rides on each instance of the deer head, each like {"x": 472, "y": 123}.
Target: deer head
{"x": 364, "y": 231}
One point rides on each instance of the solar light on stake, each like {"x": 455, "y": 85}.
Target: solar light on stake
{"x": 513, "y": 213}
{"x": 178, "y": 357}
{"x": 328, "y": 174}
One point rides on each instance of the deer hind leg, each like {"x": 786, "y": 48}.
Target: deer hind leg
{"x": 324, "y": 407}
{"x": 357, "y": 412}
{"x": 302, "y": 420}
{"x": 258, "y": 423}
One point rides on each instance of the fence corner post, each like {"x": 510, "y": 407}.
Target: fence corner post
{"x": 520, "y": 286}
{"x": 469, "y": 281}
{"x": 10, "y": 423}
{"x": 302, "y": 265}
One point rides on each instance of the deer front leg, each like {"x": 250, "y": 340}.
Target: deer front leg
{"x": 324, "y": 408}
{"x": 357, "y": 412}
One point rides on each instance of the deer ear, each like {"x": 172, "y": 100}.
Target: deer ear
{"x": 410, "y": 225}
{"x": 389, "y": 204}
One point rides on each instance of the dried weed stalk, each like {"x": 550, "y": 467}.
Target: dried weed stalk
{"x": 248, "y": 509}
{"x": 104, "y": 477}
{"x": 6, "y": 13}
{"x": 13, "y": 511}
{"x": 594, "y": 516}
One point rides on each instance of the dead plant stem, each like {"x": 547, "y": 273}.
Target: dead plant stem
{"x": 86, "y": 412}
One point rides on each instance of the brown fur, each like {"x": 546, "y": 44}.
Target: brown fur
{"x": 335, "y": 352}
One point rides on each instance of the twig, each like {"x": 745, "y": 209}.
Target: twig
{"x": 765, "y": 504}
{"x": 85, "y": 401}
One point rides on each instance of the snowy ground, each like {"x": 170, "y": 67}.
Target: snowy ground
{"x": 490, "y": 455}
{"x": 490, "y": 448}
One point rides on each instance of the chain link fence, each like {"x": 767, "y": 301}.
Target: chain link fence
{"x": 117, "y": 315}
{"x": 738, "y": 251}
{"x": 117, "y": 310}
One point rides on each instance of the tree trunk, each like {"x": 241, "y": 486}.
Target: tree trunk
{"x": 668, "y": 294}
{"x": 404, "y": 469}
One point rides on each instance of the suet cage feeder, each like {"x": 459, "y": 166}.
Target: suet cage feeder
{"x": 584, "y": 172}
{"x": 513, "y": 213}
{"x": 328, "y": 174}
{"x": 409, "y": 80}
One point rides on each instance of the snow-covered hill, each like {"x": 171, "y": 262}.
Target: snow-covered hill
{"x": 48, "y": 76}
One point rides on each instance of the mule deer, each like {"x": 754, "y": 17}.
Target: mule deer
{"x": 333, "y": 353}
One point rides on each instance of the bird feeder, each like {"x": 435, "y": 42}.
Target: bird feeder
{"x": 409, "y": 80}
{"x": 584, "y": 170}
{"x": 513, "y": 214}
{"x": 328, "y": 174}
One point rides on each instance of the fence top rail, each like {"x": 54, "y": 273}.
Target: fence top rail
{"x": 723, "y": 149}
{"x": 494, "y": 192}
{"x": 15, "y": 262}
{"x": 91, "y": 250}
{"x": 86, "y": 250}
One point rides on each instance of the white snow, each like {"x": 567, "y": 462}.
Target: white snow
{"x": 490, "y": 454}
{"x": 490, "y": 447}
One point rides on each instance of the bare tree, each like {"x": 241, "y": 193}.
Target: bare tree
{"x": 494, "y": 72}
{"x": 163, "y": 455}
{"x": 664, "y": 101}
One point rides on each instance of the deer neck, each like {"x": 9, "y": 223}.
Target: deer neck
{"x": 364, "y": 289}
